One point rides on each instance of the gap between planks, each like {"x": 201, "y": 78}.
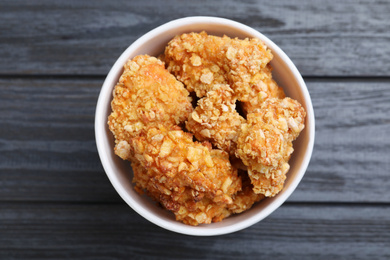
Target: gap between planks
{"x": 351, "y": 78}
{"x": 286, "y": 204}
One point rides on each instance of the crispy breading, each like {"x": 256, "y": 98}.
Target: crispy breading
{"x": 193, "y": 59}
{"x": 146, "y": 95}
{"x": 183, "y": 173}
{"x": 194, "y": 212}
{"x": 215, "y": 119}
{"x": 262, "y": 88}
{"x": 265, "y": 143}
{"x": 194, "y": 208}
{"x": 187, "y": 207}
{"x": 177, "y": 160}
{"x": 200, "y": 61}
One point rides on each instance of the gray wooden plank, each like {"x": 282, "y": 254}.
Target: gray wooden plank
{"x": 351, "y": 158}
{"x": 75, "y": 37}
{"x": 47, "y": 142}
{"x": 48, "y": 153}
{"x": 114, "y": 231}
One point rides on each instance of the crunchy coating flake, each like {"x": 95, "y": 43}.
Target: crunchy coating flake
{"x": 174, "y": 163}
{"x": 200, "y": 61}
{"x": 265, "y": 143}
{"x": 215, "y": 119}
{"x": 262, "y": 88}
{"x": 146, "y": 95}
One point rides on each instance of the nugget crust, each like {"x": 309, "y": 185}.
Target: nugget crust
{"x": 186, "y": 177}
{"x": 201, "y": 61}
{"x": 265, "y": 143}
{"x": 146, "y": 95}
{"x": 263, "y": 87}
{"x": 195, "y": 59}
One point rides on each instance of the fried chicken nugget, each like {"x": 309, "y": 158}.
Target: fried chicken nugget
{"x": 215, "y": 119}
{"x": 188, "y": 178}
{"x": 194, "y": 59}
{"x": 181, "y": 202}
{"x": 250, "y": 74}
{"x": 200, "y": 61}
{"x": 265, "y": 143}
{"x": 146, "y": 95}
{"x": 190, "y": 209}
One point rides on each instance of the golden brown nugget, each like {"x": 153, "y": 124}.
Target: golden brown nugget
{"x": 190, "y": 209}
{"x": 200, "y": 61}
{"x": 249, "y": 70}
{"x": 146, "y": 95}
{"x": 175, "y": 160}
{"x": 188, "y": 178}
{"x": 187, "y": 208}
{"x": 265, "y": 143}
{"x": 193, "y": 59}
{"x": 215, "y": 119}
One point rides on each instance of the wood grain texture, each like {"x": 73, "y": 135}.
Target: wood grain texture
{"x": 351, "y": 157}
{"x": 67, "y": 231}
{"x": 323, "y": 38}
{"x": 47, "y": 141}
{"x": 48, "y": 152}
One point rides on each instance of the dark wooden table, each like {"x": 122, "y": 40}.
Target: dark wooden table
{"x": 55, "y": 199}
